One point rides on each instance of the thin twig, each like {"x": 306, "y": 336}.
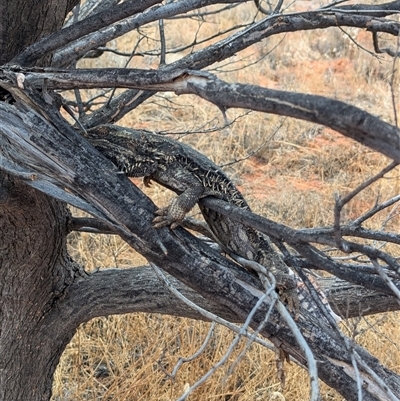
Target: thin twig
{"x": 367, "y": 183}
{"x": 249, "y": 342}
{"x": 357, "y": 374}
{"x": 268, "y": 278}
{"x": 191, "y": 358}
{"x": 340, "y": 202}
{"x": 208, "y": 315}
{"x": 336, "y": 223}
{"x": 377, "y": 208}
{"x": 386, "y": 279}
{"x": 393, "y": 90}
{"x": 333, "y": 4}
{"x": 378, "y": 380}
{"x": 357, "y": 44}
{"x": 126, "y": 65}
{"x": 234, "y": 343}
{"x": 162, "y": 42}
{"x": 77, "y": 93}
{"x": 278, "y": 7}
{"x": 311, "y": 363}
{"x": 255, "y": 151}
{"x": 261, "y": 8}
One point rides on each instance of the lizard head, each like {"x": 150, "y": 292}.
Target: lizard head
{"x": 135, "y": 152}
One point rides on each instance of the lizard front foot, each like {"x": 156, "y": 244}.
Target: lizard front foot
{"x": 164, "y": 219}
{"x": 290, "y": 298}
{"x": 170, "y": 215}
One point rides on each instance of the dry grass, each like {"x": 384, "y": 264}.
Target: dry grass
{"x": 292, "y": 178}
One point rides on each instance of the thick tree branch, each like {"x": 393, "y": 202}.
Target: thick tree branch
{"x": 29, "y": 139}
{"x": 300, "y": 241}
{"x": 375, "y": 10}
{"x": 91, "y": 24}
{"x": 119, "y": 291}
{"x": 347, "y": 300}
{"x": 80, "y": 47}
{"x": 344, "y": 118}
{"x": 230, "y": 46}
{"x": 277, "y": 24}
{"x": 226, "y": 48}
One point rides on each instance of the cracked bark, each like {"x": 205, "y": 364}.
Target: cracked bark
{"x": 112, "y": 196}
{"x": 34, "y": 266}
{"x": 44, "y": 295}
{"x": 34, "y": 272}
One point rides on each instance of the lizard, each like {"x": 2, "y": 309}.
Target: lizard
{"x": 192, "y": 176}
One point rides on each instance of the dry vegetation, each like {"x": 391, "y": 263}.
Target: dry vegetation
{"x": 292, "y": 178}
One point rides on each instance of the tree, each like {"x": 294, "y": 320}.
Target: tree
{"x": 46, "y": 164}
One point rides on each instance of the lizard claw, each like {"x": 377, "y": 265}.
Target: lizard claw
{"x": 147, "y": 182}
{"x": 164, "y": 219}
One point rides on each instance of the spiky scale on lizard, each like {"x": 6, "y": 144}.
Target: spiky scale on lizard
{"x": 192, "y": 176}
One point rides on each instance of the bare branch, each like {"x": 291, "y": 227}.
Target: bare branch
{"x": 147, "y": 294}
{"x": 234, "y": 343}
{"x": 162, "y": 41}
{"x": 80, "y": 47}
{"x": 377, "y": 208}
{"x": 366, "y": 183}
{"x": 299, "y": 241}
{"x": 375, "y": 10}
{"x": 183, "y": 360}
{"x": 340, "y": 202}
{"x": 80, "y": 29}
{"x": 229, "y": 47}
{"x": 346, "y": 119}
{"x": 386, "y": 279}
{"x": 225, "y": 48}
{"x": 90, "y": 225}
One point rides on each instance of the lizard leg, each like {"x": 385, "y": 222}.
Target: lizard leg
{"x": 176, "y": 211}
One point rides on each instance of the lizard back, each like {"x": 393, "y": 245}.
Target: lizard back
{"x": 180, "y": 168}
{"x": 144, "y": 154}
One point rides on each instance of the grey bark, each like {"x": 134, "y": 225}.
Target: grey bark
{"x": 139, "y": 290}
{"x": 224, "y": 48}
{"x": 23, "y": 22}
{"x": 91, "y": 24}
{"x": 349, "y": 120}
{"x": 44, "y": 295}
{"x": 88, "y": 176}
{"x": 34, "y": 272}
{"x": 34, "y": 266}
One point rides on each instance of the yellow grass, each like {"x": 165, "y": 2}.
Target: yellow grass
{"x": 292, "y": 178}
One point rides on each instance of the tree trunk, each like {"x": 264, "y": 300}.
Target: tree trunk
{"x": 23, "y": 22}
{"x": 34, "y": 271}
{"x": 34, "y": 266}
